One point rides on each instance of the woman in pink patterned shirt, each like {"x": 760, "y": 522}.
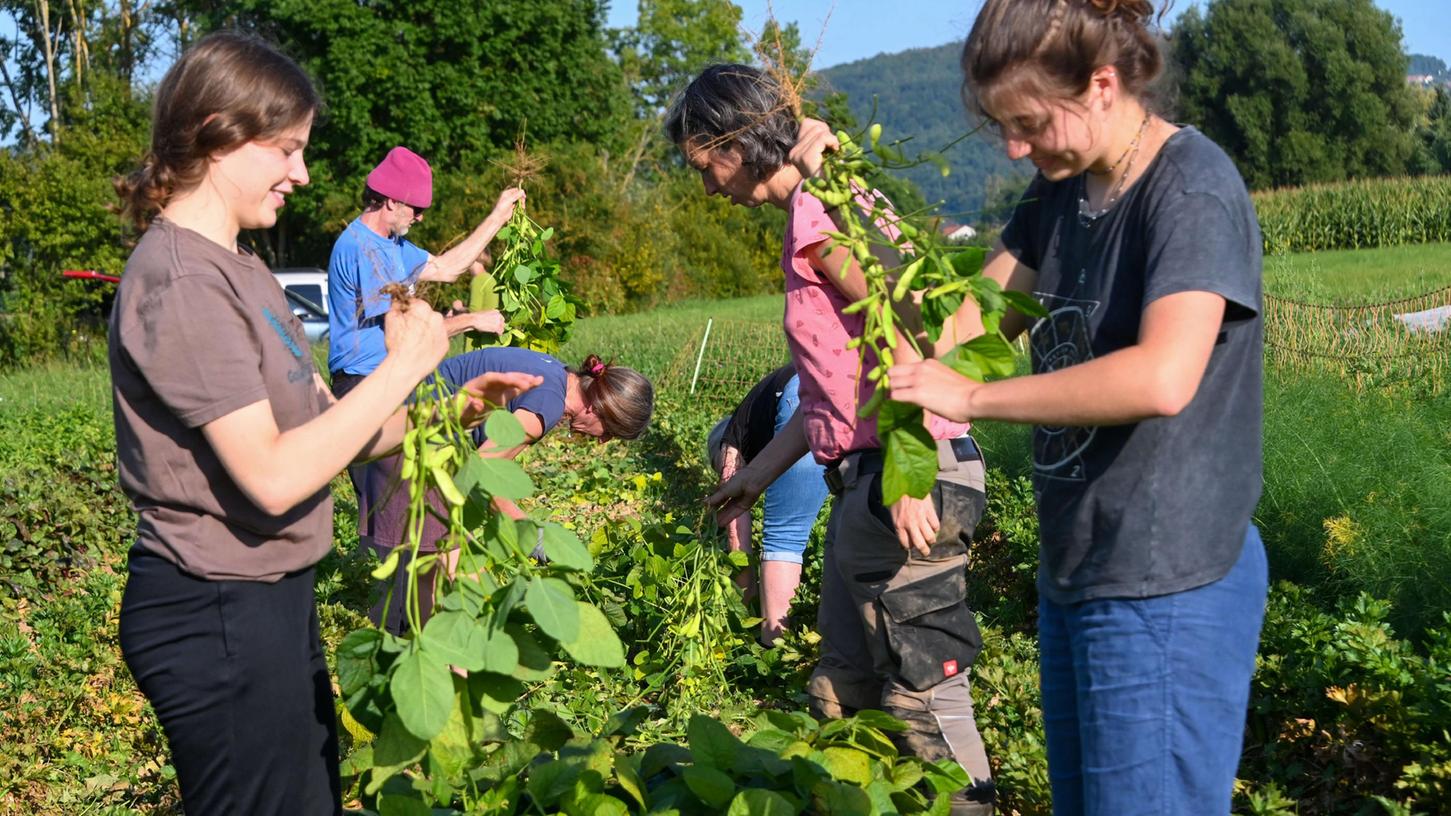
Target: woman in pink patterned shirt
{"x": 897, "y": 634}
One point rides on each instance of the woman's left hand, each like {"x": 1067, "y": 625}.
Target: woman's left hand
{"x": 935, "y": 387}
{"x": 814, "y": 139}
{"x": 916, "y": 523}
{"x": 493, "y": 390}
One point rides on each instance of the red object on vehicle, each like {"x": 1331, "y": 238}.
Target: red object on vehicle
{"x": 88, "y": 274}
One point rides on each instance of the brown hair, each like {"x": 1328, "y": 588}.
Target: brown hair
{"x": 1049, "y": 49}
{"x": 228, "y": 89}
{"x": 621, "y": 397}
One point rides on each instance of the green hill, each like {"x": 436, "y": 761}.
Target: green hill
{"x": 917, "y": 93}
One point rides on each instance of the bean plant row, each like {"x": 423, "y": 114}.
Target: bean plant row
{"x": 910, "y": 299}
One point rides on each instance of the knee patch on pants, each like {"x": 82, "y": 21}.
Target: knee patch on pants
{"x": 836, "y": 695}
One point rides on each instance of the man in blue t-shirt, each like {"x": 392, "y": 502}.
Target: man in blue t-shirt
{"x": 373, "y": 252}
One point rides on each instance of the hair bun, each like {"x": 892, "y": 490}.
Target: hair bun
{"x": 593, "y": 366}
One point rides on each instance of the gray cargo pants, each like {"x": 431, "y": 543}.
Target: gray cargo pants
{"x": 896, "y": 631}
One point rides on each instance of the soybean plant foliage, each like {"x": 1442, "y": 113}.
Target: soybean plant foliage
{"x": 927, "y": 278}
{"x": 437, "y": 713}
{"x": 537, "y": 306}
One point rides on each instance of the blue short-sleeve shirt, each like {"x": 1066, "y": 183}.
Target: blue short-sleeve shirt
{"x": 362, "y": 263}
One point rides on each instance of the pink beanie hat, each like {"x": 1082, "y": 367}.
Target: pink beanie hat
{"x": 404, "y": 176}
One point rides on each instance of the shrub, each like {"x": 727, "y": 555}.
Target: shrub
{"x": 1343, "y": 712}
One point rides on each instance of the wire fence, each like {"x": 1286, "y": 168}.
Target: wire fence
{"x": 722, "y": 360}
{"x": 1404, "y": 342}
{"x": 1393, "y": 343}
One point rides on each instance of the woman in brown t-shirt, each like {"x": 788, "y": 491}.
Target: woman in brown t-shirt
{"x": 227, "y": 438}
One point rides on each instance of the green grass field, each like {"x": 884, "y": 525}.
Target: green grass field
{"x": 1359, "y": 276}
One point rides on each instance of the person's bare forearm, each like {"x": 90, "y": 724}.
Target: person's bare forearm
{"x": 453, "y": 263}
{"x": 785, "y": 448}
{"x": 279, "y": 470}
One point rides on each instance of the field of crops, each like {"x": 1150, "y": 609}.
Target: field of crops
{"x": 1351, "y": 701}
{"x": 1367, "y": 214}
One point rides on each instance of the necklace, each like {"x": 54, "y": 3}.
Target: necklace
{"x": 1087, "y": 215}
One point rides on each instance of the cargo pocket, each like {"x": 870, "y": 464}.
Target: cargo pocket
{"x": 931, "y": 633}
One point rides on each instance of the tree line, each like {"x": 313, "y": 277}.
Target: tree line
{"x": 1299, "y": 91}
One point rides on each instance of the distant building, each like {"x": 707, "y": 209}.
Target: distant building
{"x": 958, "y": 232}
{"x": 1420, "y": 80}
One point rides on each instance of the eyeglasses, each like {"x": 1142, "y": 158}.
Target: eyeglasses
{"x": 417, "y": 211}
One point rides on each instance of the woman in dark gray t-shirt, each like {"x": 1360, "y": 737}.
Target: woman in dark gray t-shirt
{"x": 227, "y": 439}
{"x": 1140, "y": 239}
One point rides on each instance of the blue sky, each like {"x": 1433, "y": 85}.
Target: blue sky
{"x": 862, "y": 28}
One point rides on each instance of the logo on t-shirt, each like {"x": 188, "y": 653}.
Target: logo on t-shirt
{"x": 282, "y": 332}
{"x": 1059, "y": 341}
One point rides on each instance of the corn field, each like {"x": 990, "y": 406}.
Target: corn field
{"x": 1365, "y": 214}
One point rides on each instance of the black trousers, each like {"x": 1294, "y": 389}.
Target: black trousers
{"x": 236, "y": 673}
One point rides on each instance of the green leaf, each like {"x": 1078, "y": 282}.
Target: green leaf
{"x": 847, "y": 765}
{"x": 909, "y": 453}
{"x": 534, "y": 663}
{"x": 502, "y": 478}
{"x": 500, "y": 652}
{"x": 946, "y": 776}
{"x": 547, "y": 730}
{"x": 402, "y": 804}
{"x": 357, "y": 762}
{"x": 395, "y": 749}
{"x": 451, "y": 751}
{"x": 713, "y": 787}
{"x": 523, "y": 273}
{"x": 454, "y": 638}
{"x": 627, "y": 774}
{"x": 551, "y": 780}
{"x": 663, "y": 755}
{"x": 563, "y": 548}
{"x": 1025, "y": 303}
{"x": 495, "y": 692}
{"x": 551, "y": 603}
{"x": 760, "y": 802}
{"x": 423, "y": 691}
{"x": 623, "y": 723}
{"x": 503, "y": 429}
{"x": 879, "y": 720}
{"x": 905, "y": 775}
{"x": 601, "y": 804}
{"x": 357, "y": 660}
{"x": 967, "y": 260}
{"x": 991, "y": 353}
{"x": 712, "y": 743}
{"x": 597, "y": 644}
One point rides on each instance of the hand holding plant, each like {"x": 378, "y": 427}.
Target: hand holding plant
{"x": 414, "y": 335}
{"x": 934, "y": 387}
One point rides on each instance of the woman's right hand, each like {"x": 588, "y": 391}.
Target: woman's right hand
{"x": 415, "y": 336}
{"x": 812, "y": 143}
{"x": 735, "y": 495}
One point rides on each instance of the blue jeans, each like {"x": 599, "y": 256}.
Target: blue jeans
{"x": 1144, "y": 700}
{"x": 794, "y": 500}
